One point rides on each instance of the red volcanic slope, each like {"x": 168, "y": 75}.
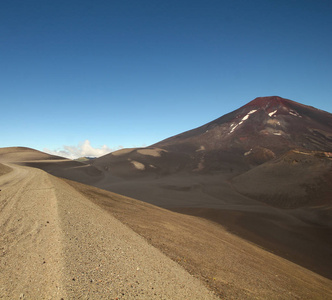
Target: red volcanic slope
{"x": 273, "y": 119}
{"x": 268, "y": 125}
{"x": 259, "y": 131}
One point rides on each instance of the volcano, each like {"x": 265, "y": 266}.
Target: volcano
{"x": 264, "y": 171}
{"x": 272, "y": 149}
{"x": 260, "y": 131}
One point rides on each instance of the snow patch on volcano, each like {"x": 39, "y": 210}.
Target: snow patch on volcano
{"x": 294, "y": 113}
{"x": 272, "y": 113}
{"x": 234, "y": 126}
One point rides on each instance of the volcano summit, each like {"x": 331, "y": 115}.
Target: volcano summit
{"x": 263, "y": 129}
{"x": 260, "y": 131}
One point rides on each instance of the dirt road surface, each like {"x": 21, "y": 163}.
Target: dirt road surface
{"x": 56, "y": 244}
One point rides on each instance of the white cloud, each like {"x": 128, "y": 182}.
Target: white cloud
{"x": 81, "y": 150}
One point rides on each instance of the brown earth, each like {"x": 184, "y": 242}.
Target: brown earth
{"x": 300, "y": 235}
{"x": 4, "y": 169}
{"x": 57, "y": 244}
{"x": 63, "y": 239}
{"x": 226, "y": 263}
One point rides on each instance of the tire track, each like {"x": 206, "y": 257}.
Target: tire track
{"x": 30, "y": 240}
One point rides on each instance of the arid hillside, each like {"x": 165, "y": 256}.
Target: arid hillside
{"x": 63, "y": 240}
{"x": 263, "y": 170}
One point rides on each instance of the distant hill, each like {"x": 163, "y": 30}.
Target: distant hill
{"x": 85, "y": 159}
{"x": 55, "y": 165}
{"x": 24, "y": 154}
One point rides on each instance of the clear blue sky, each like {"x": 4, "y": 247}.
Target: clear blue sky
{"x": 132, "y": 72}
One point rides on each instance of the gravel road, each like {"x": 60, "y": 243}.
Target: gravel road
{"x": 56, "y": 244}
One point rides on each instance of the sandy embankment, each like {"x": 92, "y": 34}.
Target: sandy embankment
{"x": 233, "y": 267}
{"x": 57, "y": 244}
